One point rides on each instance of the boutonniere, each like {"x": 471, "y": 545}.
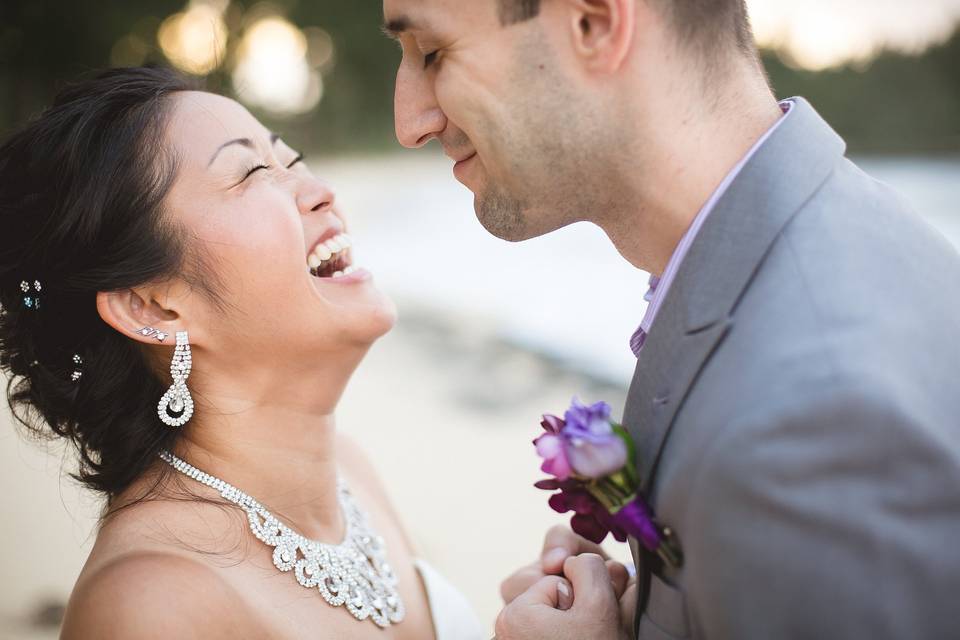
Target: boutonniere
{"x": 592, "y": 461}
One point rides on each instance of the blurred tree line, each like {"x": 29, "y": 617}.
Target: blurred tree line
{"x": 896, "y": 104}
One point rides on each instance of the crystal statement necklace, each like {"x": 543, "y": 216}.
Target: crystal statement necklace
{"x": 353, "y": 574}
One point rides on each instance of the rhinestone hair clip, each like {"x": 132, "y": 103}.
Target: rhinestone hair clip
{"x": 78, "y": 370}
{"x": 31, "y": 301}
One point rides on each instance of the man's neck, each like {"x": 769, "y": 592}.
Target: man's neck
{"x": 685, "y": 153}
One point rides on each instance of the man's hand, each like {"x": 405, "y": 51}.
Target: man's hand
{"x": 559, "y": 544}
{"x": 594, "y": 613}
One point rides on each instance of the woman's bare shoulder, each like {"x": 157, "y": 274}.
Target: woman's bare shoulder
{"x": 155, "y": 594}
{"x": 153, "y": 572}
{"x": 161, "y": 525}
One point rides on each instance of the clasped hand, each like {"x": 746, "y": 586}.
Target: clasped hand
{"x": 573, "y": 592}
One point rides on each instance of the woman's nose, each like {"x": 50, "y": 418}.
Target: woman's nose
{"x": 315, "y": 195}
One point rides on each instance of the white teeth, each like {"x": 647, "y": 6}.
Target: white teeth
{"x": 328, "y": 250}
{"x": 322, "y": 252}
{"x": 337, "y": 274}
{"x": 349, "y": 270}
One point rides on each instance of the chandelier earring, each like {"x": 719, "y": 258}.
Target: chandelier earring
{"x": 176, "y": 406}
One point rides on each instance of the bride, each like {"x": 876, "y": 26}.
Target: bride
{"x": 180, "y": 302}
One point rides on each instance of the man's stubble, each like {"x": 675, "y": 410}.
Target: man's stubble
{"x": 552, "y": 142}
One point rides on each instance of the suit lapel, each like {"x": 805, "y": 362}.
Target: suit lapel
{"x": 682, "y": 355}
{"x": 698, "y": 310}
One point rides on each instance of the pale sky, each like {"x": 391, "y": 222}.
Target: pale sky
{"x": 822, "y": 33}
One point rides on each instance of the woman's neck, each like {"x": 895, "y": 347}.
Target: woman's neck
{"x": 286, "y": 461}
{"x": 272, "y": 434}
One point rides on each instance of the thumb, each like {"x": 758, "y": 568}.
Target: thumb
{"x": 591, "y": 583}
{"x": 550, "y": 591}
{"x": 562, "y": 543}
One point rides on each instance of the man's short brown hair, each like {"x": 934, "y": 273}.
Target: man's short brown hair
{"x": 703, "y": 23}
{"x": 513, "y": 11}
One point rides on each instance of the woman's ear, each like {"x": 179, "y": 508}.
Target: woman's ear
{"x": 131, "y": 311}
{"x": 603, "y": 32}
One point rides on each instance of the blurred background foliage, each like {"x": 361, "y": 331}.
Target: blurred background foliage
{"x": 897, "y": 103}
{"x": 339, "y": 95}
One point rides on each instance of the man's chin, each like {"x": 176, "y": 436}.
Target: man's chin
{"x": 500, "y": 216}
{"x": 513, "y": 224}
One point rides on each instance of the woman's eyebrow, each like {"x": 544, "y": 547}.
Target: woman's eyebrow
{"x": 243, "y": 142}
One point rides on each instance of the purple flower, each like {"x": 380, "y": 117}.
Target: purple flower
{"x": 637, "y": 518}
{"x": 591, "y": 519}
{"x": 594, "y": 449}
{"x": 592, "y": 419}
{"x": 588, "y": 456}
{"x": 552, "y": 447}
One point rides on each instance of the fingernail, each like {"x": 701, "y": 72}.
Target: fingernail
{"x": 564, "y": 596}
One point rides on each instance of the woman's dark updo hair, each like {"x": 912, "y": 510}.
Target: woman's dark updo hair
{"x": 81, "y": 194}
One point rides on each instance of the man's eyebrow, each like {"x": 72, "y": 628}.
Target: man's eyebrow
{"x": 393, "y": 28}
{"x": 243, "y": 142}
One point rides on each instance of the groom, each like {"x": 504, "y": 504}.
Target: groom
{"x": 796, "y": 402}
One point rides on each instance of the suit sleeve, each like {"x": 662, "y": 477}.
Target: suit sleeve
{"x": 838, "y": 521}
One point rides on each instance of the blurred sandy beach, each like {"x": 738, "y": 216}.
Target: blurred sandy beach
{"x": 491, "y": 335}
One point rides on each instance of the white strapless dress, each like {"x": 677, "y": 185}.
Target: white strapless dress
{"x": 453, "y": 617}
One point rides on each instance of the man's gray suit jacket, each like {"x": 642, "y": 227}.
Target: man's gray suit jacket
{"x": 797, "y": 410}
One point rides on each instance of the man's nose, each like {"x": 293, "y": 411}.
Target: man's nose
{"x": 417, "y": 116}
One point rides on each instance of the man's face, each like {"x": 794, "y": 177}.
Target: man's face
{"x": 497, "y": 100}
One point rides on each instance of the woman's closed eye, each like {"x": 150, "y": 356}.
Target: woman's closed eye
{"x": 254, "y": 169}
{"x": 299, "y": 158}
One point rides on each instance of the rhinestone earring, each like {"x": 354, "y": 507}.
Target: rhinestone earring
{"x": 150, "y": 331}
{"x": 176, "y": 406}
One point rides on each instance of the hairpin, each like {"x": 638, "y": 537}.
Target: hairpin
{"x": 31, "y": 302}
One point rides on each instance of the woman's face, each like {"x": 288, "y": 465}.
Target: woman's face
{"x": 257, "y": 214}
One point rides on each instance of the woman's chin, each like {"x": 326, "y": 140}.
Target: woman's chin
{"x": 355, "y": 303}
{"x": 372, "y": 318}
{"x": 383, "y": 317}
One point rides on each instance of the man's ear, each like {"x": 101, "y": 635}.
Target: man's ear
{"x": 130, "y": 310}
{"x": 603, "y": 31}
